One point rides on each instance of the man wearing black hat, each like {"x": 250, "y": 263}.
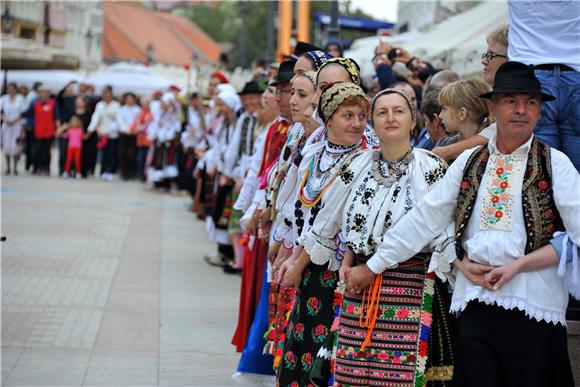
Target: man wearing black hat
{"x": 506, "y": 199}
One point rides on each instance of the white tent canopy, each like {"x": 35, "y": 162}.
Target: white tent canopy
{"x": 129, "y": 77}
{"x": 456, "y": 43}
{"x": 53, "y": 79}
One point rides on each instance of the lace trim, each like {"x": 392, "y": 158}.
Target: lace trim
{"x": 511, "y": 303}
{"x": 441, "y": 260}
{"x": 319, "y": 253}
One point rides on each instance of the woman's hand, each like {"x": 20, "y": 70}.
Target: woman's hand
{"x": 347, "y": 263}
{"x": 292, "y": 276}
{"x": 273, "y": 252}
{"x": 359, "y": 278}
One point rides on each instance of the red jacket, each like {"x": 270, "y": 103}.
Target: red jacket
{"x": 44, "y": 123}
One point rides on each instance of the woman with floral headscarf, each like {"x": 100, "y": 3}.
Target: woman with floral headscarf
{"x": 385, "y": 333}
{"x": 344, "y": 109}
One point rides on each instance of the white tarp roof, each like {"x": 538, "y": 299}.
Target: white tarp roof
{"x": 53, "y": 79}
{"x": 129, "y": 77}
{"x": 456, "y": 43}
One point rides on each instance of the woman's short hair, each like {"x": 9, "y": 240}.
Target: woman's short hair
{"x": 499, "y": 35}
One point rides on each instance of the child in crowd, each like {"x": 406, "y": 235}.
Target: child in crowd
{"x": 75, "y": 135}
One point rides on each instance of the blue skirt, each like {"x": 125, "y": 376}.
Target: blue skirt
{"x": 253, "y": 360}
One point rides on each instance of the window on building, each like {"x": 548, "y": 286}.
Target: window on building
{"x": 27, "y": 33}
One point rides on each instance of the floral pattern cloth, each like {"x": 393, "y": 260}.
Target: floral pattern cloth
{"x": 496, "y": 207}
{"x": 309, "y": 325}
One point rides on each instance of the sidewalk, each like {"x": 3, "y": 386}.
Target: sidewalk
{"x": 103, "y": 284}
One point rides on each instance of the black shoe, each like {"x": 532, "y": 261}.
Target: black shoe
{"x": 229, "y": 269}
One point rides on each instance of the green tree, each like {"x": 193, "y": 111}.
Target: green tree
{"x": 223, "y": 21}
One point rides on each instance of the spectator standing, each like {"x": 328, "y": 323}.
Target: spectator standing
{"x": 127, "y": 140}
{"x": 65, "y": 101}
{"x": 29, "y": 100}
{"x": 12, "y": 106}
{"x": 139, "y": 126}
{"x": 496, "y": 53}
{"x": 89, "y": 148}
{"x": 45, "y": 123}
{"x": 104, "y": 122}
{"x": 74, "y": 135}
{"x": 547, "y": 34}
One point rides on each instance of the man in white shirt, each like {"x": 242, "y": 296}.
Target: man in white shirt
{"x": 547, "y": 35}
{"x": 507, "y": 199}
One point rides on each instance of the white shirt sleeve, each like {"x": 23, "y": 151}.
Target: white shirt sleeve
{"x": 96, "y": 117}
{"x": 423, "y": 223}
{"x": 566, "y": 189}
{"x": 251, "y": 182}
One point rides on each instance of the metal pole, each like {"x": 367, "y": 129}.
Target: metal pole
{"x": 270, "y": 33}
{"x": 333, "y": 29}
{"x": 242, "y": 11}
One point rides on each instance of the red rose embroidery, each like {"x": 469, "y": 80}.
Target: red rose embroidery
{"x": 465, "y": 184}
{"x": 503, "y": 185}
{"x": 319, "y": 330}
{"x": 549, "y": 214}
{"x": 495, "y": 199}
{"x": 299, "y": 328}
{"x": 498, "y": 214}
{"x": 550, "y": 228}
{"x": 313, "y": 302}
{"x": 543, "y": 185}
{"x": 499, "y": 171}
{"x": 327, "y": 275}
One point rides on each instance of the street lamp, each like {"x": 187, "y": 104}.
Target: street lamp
{"x": 7, "y": 20}
{"x": 149, "y": 52}
{"x": 89, "y": 41}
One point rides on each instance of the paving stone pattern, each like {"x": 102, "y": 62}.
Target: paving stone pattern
{"x": 103, "y": 284}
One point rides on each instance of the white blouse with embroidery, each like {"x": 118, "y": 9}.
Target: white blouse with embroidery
{"x": 367, "y": 200}
{"x": 495, "y": 234}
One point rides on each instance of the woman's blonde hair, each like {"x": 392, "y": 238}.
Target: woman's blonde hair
{"x": 465, "y": 94}
{"x": 499, "y": 35}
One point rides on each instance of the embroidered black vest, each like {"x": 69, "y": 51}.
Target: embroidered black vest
{"x": 541, "y": 216}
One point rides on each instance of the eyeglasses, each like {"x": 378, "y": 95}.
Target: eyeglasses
{"x": 280, "y": 93}
{"x": 490, "y": 55}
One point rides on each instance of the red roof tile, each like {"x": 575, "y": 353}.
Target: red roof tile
{"x": 129, "y": 27}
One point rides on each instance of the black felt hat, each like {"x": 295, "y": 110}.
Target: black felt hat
{"x": 253, "y": 87}
{"x": 303, "y": 48}
{"x": 516, "y": 78}
{"x": 285, "y": 73}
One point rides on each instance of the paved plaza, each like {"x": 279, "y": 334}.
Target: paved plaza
{"x": 103, "y": 284}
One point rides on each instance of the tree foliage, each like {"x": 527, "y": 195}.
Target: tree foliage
{"x": 224, "y": 21}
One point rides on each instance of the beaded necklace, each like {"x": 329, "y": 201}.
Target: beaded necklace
{"x": 316, "y": 179}
{"x": 386, "y": 172}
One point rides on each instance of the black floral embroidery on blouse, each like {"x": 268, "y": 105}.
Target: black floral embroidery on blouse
{"x": 367, "y": 196}
{"x": 388, "y": 220}
{"x": 314, "y": 212}
{"x": 299, "y": 216}
{"x": 435, "y": 175}
{"x": 359, "y": 223}
{"x": 346, "y": 175}
{"x": 396, "y": 193}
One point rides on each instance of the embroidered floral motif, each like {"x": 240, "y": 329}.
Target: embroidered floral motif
{"x": 359, "y": 223}
{"x": 367, "y": 196}
{"x": 306, "y": 361}
{"x": 290, "y": 360}
{"x": 435, "y": 175}
{"x": 299, "y": 332}
{"x": 496, "y": 209}
{"x": 305, "y": 277}
{"x": 319, "y": 333}
{"x": 346, "y": 176}
{"x": 313, "y": 306}
{"x": 327, "y": 279}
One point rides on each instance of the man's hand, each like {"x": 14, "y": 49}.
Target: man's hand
{"x": 474, "y": 272}
{"x": 358, "y": 278}
{"x": 403, "y": 55}
{"x": 500, "y": 275}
